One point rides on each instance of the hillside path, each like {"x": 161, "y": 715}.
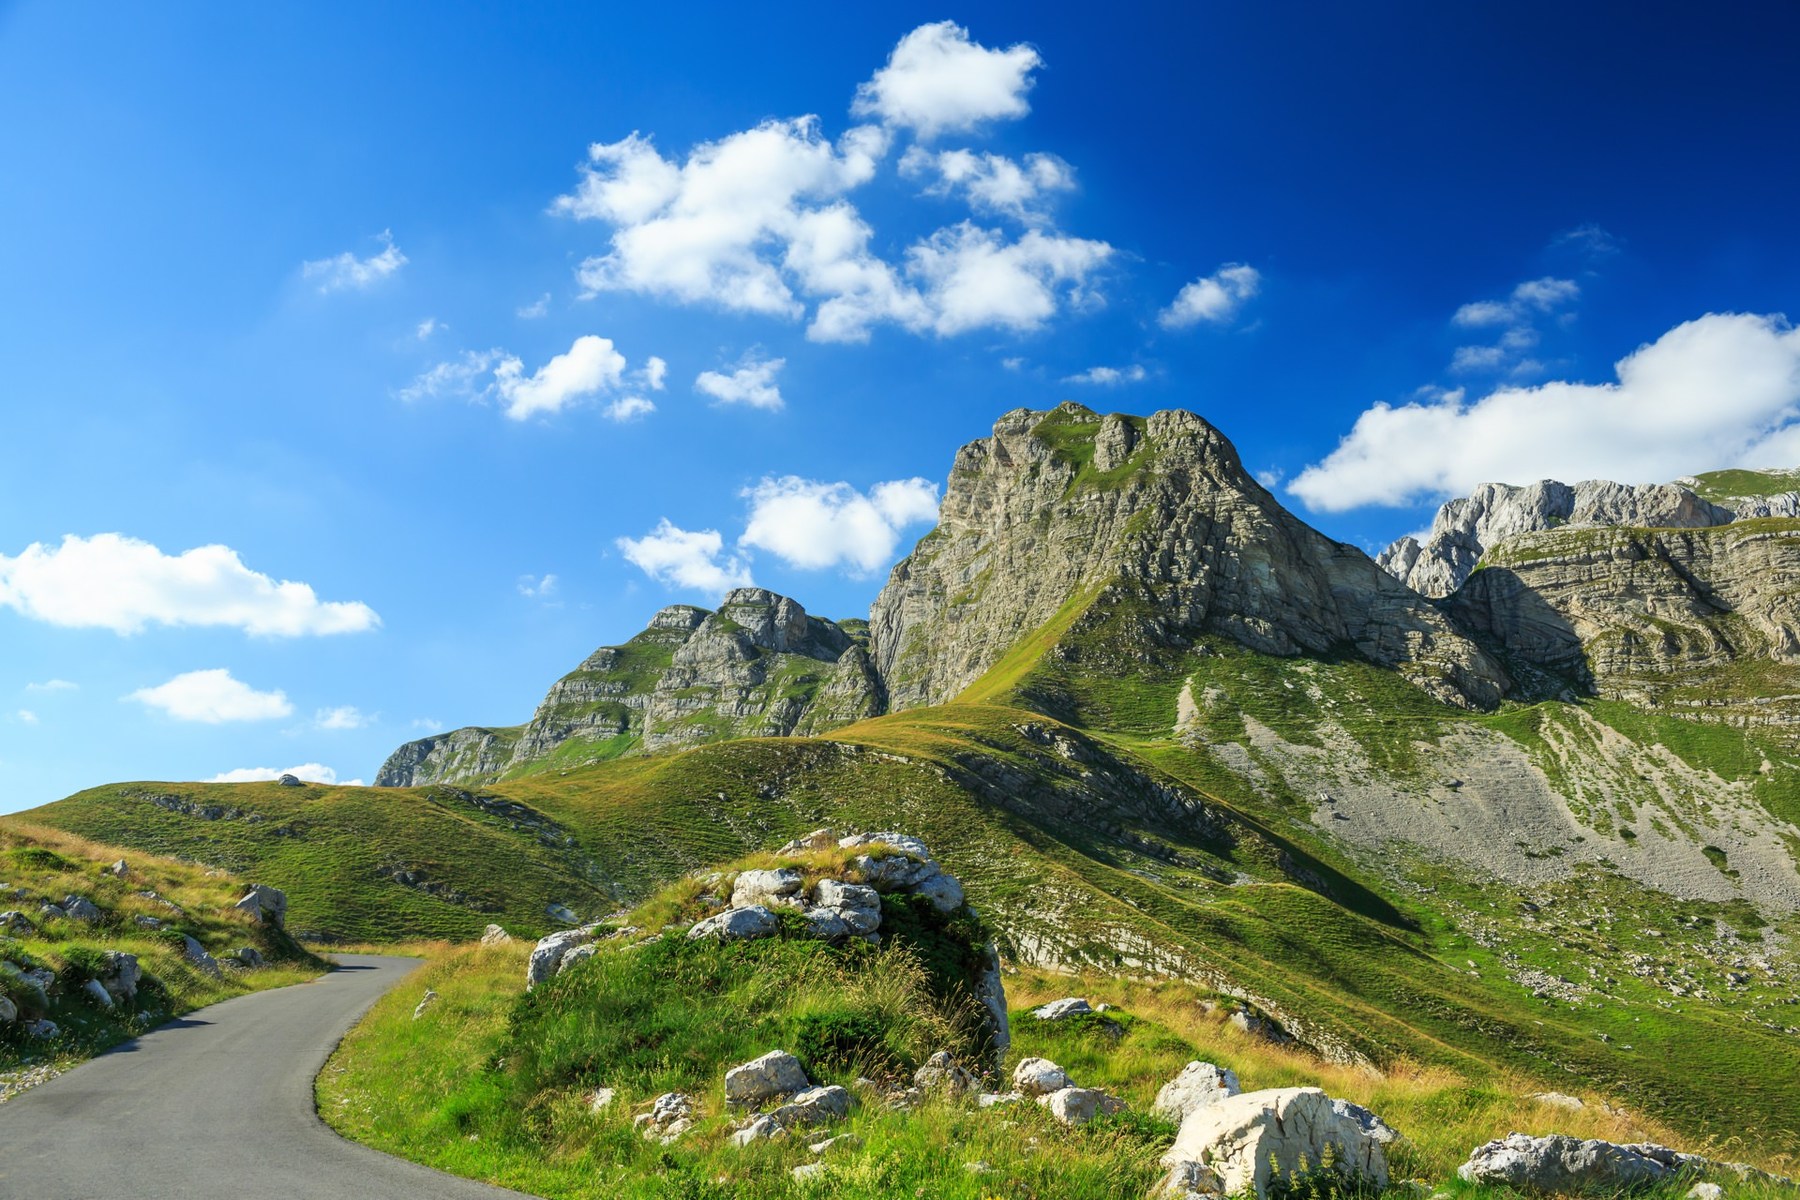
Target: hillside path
{"x": 218, "y": 1103}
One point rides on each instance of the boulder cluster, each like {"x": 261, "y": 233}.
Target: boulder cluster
{"x": 1561, "y": 1165}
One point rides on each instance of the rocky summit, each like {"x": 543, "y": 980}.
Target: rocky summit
{"x": 759, "y": 666}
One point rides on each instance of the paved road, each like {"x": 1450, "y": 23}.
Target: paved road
{"x": 216, "y": 1103}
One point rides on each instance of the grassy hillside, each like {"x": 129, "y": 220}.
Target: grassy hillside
{"x": 145, "y": 912}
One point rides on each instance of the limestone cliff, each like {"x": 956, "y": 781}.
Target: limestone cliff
{"x": 1058, "y": 508}
{"x": 1464, "y": 529}
{"x": 758, "y": 667}
{"x": 1705, "y": 621}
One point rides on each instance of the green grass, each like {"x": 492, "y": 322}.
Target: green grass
{"x": 40, "y": 865}
{"x": 1739, "y": 484}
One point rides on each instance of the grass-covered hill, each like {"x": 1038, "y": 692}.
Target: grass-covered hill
{"x": 148, "y": 910}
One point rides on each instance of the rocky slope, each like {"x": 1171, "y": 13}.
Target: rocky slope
{"x": 1704, "y": 620}
{"x": 1465, "y": 529}
{"x": 759, "y": 666}
{"x": 1059, "y": 509}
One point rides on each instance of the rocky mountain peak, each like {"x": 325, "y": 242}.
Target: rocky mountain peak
{"x": 1466, "y": 528}
{"x": 1059, "y": 506}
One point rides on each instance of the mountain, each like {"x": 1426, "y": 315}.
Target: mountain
{"x": 1160, "y": 727}
{"x": 758, "y": 667}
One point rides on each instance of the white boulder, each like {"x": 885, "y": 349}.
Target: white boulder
{"x": 1040, "y": 1077}
{"x": 737, "y": 925}
{"x": 776, "y": 1073}
{"x": 80, "y": 908}
{"x": 814, "y": 1106}
{"x": 1078, "y": 1106}
{"x": 670, "y": 1116}
{"x": 1200, "y": 1084}
{"x": 781, "y": 886}
{"x": 493, "y": 935}
{"x": 942, "y": 1073}
{"x": 859, "y": 907}
{"x": 547, "y": 955}
{"x": 1559, "y": 1163}
{"x": 1056, "y": 1010}
{"x": 266, "y": 904}
{"x": 1243, "y": 1143}
{"x": 197, "y": 954}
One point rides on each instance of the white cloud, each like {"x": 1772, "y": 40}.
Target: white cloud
{"x": 348, "y": 271}
{"x": 1719, "y": 391}
{"x": 681, "y": 558}
{"x": 114, "y": 582}
{"x": 53, "y": 685}
{"x": 753, "y": 383}
{"x": 992, "y": 183}
{"x": 656, "y": 371}
{"x": 346, "y": 716}
{"x": 27, "y": 716}
{"x": 427, "y": 327}
{"x": 1213, "y": 298}
{"x": 1109, "y": 376}
{"x": 212, "y": 698}
{"x": 537, "y": 308}
{"x": 455, "y": 377}
{"x": 976, "y": 279}
{"x": 759, "y": 221}
{"x": 1516, "y": 320}
{"x": 538, "y": 587}
{"x": 628, "y": 408}
{"x": 590, "y": 365}
{"x": 310, "y": 772}
{"x": 937, "y": 80}
{"x": 1014, "y": 363}
{"x": 814, "y": 525}
{"x": 428, "y": 724}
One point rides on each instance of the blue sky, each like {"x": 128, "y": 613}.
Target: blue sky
{"x": 330, "y": 340}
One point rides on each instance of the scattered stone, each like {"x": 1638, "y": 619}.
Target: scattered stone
{"x": 1040, "y": 1077}
{"x": 561, "y": 912}
{"x": 1260, "y": 1026}
{"x": 80, "y": 908}
{"x": 806, "y": 1171}
{"x": 147, "y": 922}
{"x": 1559, "y": 1163}
{"x": 578, "y": 954}
{"x": 1200, "y": 1084}
{"x": 942, "y": 1073}
{"x": 9, "y": 1012}
{"x": 248, "y": 956}
{"x": 16, "y": 923}
{"x": 96, "y": 991}
{"x": 601, "y": 1099}
{"x": 1239, "y": 1144}
{"x": 944, "y": 892}
{"x": 547, "y": 955}
{"x": 1558, "y": 1100}
{"x": 493, "y": 935}
{"x": 670, "y": 1116}
{"x": 776, "y": 1073}
{"x": 818, "y": 839}
{"x": 288, "y": 781}
{"x": 51, "y": 912}
{"x": 1057, "y": 1010}
{"x": 119, "y": 974}
{"x": 1078, "y": 1106}
{"x": 844, "y": 1141}
{"x": 898, "y": 841}
{"x": 1705, "y": 1191}
{"x": 43, "y": 1029}
{"x": 814, "y": 1106}
{"x": 197, "y": 954}
{"x": 859, "y": 907}
{"x": 826, "y": 925}
{"x": 998, "y": 1099}
{"x": 778, "y": 887}
{"x": 268, "y": 905}
{"x": 118, "y": 870}
{"x": 760, "y": 1128}
{"x": 424, "y": 1003}
{"x": 737, "y": 925}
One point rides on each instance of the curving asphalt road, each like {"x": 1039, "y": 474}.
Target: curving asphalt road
{"x": 216, "y": 1103}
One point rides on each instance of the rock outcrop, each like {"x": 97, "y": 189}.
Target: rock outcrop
{"x": 1062, "y": 511}
{"x": 758, "y": 667}
{"x": 1559, "y": 1164}
{"x": 1465, "y": 529}
{"x": 1243, "y": 1144}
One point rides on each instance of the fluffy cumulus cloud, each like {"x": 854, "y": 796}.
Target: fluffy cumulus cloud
{"x": 940, "y": 81}
{"x": 760, "y": 221}
{"x": 111, "y": 581}
{"x": 752, "y": 383}
{"x": 591, "y": 369}
{"x": 691, "y": 559}
{"x": 992, "y": 183}
{"x": 212, "y": 698}
{"x": 346, "y": 271}
{"x": 1109, "y": 376}
{"x": 1213, "y": 299}
{"x": 1512, "y": 323}
{"x": 815, "y": 525}
{"x": 309, "y": 772}
{"x": 1722, "y": 390}
{"x": 345, "y": 716}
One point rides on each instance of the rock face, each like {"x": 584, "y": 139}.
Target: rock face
{"x": 1651, "y": 616}
{"x": 758, "y": 667}
{"x": 1059, "y": 512}
{"x": 1467, "y": 528}
{"x": 1240, "y": 1145}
